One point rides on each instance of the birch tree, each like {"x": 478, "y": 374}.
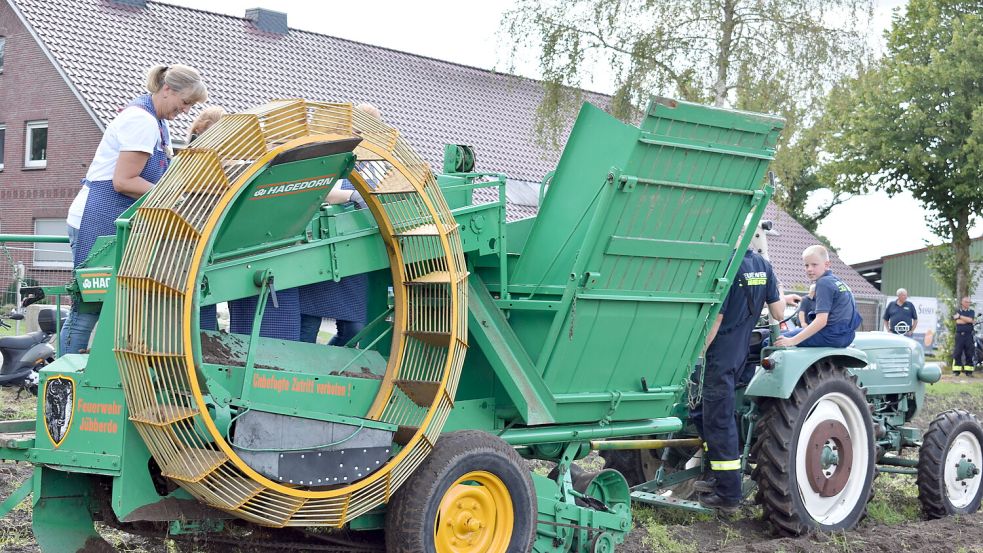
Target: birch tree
{"x": 778, "y": 56}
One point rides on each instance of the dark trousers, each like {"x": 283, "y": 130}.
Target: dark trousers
{"x": 963, "y": 354}
{"x": 310, "y": 324}
{"x": 716, "y": 423}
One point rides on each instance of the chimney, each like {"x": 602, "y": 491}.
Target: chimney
{"x": 268, "y": 21}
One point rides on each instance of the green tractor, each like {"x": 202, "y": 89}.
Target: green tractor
{"x": 817, "y": 425}
{"x": 490, "y": 343}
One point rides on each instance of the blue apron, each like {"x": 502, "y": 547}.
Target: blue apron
{"x": 104, "y": 204}
{"x": 346, "y": 299}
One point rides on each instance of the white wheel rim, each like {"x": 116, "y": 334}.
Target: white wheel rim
{"x": 832, "y": 510}
{"x": 962, "y": 492}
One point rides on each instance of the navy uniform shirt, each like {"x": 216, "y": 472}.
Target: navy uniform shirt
{"x": 835, "y": 298}
{"x": 966, "y": 327}
{"x": 754, "y": 286}
{"x": 900, "y": 317}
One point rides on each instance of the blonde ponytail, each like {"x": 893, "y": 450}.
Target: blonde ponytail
{"x": 180, "y": 78}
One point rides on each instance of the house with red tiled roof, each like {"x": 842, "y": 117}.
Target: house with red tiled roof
{"x": 68, "y": 66}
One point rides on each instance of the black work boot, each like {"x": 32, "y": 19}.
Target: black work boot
{"x": 719, "y": 504}
{"x": 706, "y": 484}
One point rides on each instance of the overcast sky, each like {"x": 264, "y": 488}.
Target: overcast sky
{"x": 864, "y": 228}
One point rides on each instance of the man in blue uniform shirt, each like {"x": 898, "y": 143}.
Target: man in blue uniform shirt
{"x": 729, "y": 342}
{"x": 900, "y": 316}
{"x": 964, "y": 354}
{"x": 837, "y": 319}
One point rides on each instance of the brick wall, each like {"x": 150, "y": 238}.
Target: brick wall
{"x": 31, "y": 89}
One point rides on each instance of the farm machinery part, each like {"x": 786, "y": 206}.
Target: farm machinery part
{"x": 489, "y": 342}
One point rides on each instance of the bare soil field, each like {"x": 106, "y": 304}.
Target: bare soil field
{"x": 894, "y": 524}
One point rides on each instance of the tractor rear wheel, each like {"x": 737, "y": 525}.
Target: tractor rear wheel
{"x": 949, "y": 465}
{"x": 472, "y": 494}
{"x": 815, "y": 453}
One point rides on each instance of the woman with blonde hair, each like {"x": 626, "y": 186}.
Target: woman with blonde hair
{"x": 208, "y": 117}
{"x": 132, "y": 156}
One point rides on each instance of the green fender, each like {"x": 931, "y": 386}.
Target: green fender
{"x": 790, "y": 363}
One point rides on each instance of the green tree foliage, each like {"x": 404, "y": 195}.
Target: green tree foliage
{"x": 914, "y": 121}
{"x": 759, "y": 55}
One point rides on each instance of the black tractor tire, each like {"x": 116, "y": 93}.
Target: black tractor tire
{"x": 825, "y": 395}
{"x": 637, "y": 466}
{"x": 640, "y": 465}
{"x": 414, "y": 511}
{"x": 952, "y": 436}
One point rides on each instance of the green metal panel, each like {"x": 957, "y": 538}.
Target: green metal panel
{"x": 791, "y": 363}
{"x": 649, "y": 254}
{"x": 299, "y": 188}
{"x": 597, "y": 142}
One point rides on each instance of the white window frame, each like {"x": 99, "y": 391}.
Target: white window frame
{"x": 3, "y": 144}
{"x": 30, "y": 128}
{"x": 45, "y": 263}
{"x": 3, "y": 51}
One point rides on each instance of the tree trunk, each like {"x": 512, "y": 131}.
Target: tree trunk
{"x": 960, "y": 248}
{"x": 724, "y": 53}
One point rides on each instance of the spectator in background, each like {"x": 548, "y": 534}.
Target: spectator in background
{"x": 208, "y": 117}
{"x": 132, "y": 156}
{"x": 963, "y": 354}
{"x": 900, "y": 316}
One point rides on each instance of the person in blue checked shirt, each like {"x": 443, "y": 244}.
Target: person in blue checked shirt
{"x": 837, "y": 318}
{"x": 345, "y": 301}
{"x": 728, "y": 344}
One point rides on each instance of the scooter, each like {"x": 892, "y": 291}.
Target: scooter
{"x": 25, "y": 355}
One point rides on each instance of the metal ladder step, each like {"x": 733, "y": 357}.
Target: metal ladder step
{"x": 420, "y": 392}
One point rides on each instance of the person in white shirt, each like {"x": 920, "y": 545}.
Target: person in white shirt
{"x": 132, "y": 156}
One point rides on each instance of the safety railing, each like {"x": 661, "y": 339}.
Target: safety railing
{"x": 33, "y": 261}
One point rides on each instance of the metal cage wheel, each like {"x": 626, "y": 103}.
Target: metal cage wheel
{"x": 473, "y": 494}
{"x": 815, "y": 453}
{"x": 949, "y": 465}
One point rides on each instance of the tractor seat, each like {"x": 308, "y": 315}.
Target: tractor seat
{"x": 23, "y": 341}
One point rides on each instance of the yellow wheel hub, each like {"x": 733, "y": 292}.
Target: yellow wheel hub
{"x": 475, "y": 516}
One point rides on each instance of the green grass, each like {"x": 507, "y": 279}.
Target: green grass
{"x": 646, "y": 514}
{"x": 657, "y": 538}
{"x": 17, "y": 409}
{"x": 895, "y": 500}
{"x": 945, "y": 388}
{"x": 15, "y": 536}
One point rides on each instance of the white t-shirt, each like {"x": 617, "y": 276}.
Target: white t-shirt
{"x": 133, "y": 130}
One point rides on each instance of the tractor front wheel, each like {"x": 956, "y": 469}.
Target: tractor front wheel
{"x": 473, "y": 494}
{"x": 949, "y": 465}
{"x": 815, "y": 453}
